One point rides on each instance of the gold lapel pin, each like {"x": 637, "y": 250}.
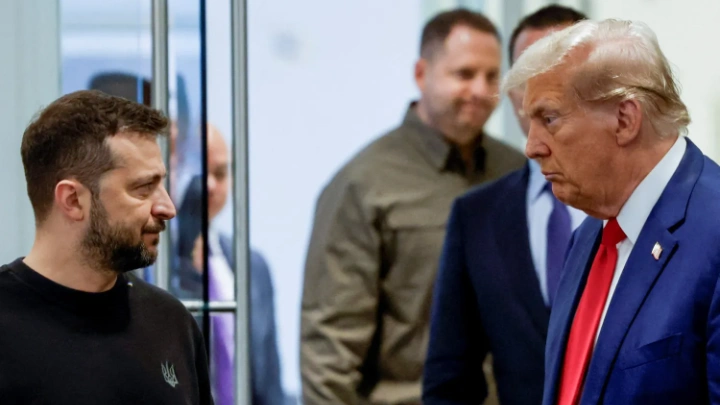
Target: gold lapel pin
{"x": 657, "y": 251}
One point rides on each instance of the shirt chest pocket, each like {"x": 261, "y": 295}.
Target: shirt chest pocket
{"x": 413, "y": 238}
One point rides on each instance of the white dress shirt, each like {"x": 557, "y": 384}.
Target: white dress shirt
{"x": 637, "y": 209}
{"x": 539, "y": 208}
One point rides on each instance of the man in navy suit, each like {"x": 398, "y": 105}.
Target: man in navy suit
{"x": 636, "y": 319}
{"x": 186, "y": 282}
{"x": 499, "y": 270}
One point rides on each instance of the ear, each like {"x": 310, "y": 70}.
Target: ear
{"x": 629, "y": 120}
{"x": 421, "y": 67}
{"x": 72, "y": 199}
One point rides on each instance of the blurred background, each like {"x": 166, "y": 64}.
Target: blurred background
{"x": 324, "y": 77}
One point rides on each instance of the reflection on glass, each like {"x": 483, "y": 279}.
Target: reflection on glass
{"x": 264, "y": 360}
{"x": 221, "y": 258}
{"x": 222, "y": 357}
{"x": 114, "y": 60}
{"x": 94, "y": 55}
{"x": 264, "y": 357}
{"x": 185, "y": 102}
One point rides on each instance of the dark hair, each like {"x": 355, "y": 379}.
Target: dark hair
{"x": 137, "y": 88}
{"x": 546, "y": 17}
{"x": 67, "y": 140}
{"x": 438, "y": 28}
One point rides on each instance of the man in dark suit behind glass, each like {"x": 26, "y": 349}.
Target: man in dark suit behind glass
{"x": 186, "y": 282}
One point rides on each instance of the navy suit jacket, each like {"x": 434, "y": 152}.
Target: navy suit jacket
{"x": 186, "y": 283}
{"x": 660, "y": 341}
{"x": 487, "y": 299}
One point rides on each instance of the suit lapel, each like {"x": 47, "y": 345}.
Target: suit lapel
{"x": 636, "y": 281}
{"x": 513, "y": 240}
{"x": 572, "y": 283}
{"x": 642, "y": 270}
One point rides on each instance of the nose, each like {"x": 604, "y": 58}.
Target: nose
{"x": 211, "y": 183}
{"x": 483, "y": 88}
{"x": 535, "y": 147}
{"x": 163, "y": 208}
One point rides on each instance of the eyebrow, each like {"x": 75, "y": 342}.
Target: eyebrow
{"x": 540, "y": 108}
{"x": 150, "y": 178}
{"x": 537, "y": 110}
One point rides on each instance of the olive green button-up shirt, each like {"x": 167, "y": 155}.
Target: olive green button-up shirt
{"x": 373, "y": 257}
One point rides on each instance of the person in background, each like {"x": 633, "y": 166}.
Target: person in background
{"x": 186, "y": 282}
{"x": 380, "y": 223}
{"x": 636, "y": 318}
{"x": 80, "y": 329}
{"x": 503, "y": 254}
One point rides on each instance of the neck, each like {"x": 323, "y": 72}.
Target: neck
{"x": 60, "y": 261}
{"x": 467, "y": 150}
{"x": 467, "y": 154}
{"x": 639, "y": 165}
{"x": 422, "y": 113}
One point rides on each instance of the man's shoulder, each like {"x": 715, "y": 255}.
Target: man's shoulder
{"x": 495, "y": 190}
{"x": 703, "y": 211}
{"x": 151, "y": 296}
{"x": 378, "y": 152}
{"x": 708, "y": 185}
{"x": 371, "y": 165}
{"x": 493, "y": 204}
{"x": 5, "y": 270}
{"x": 8, "y": 281}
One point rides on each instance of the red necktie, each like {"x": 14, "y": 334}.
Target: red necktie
{"x": 587, "y": 317}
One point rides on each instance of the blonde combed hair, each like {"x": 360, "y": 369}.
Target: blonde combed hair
{"x": 622, "y": 61}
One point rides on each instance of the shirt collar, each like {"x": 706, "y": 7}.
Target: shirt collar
{"x": 536, "y": 181}
{"x": 637, "y": 208}
{"x": 441, "y": 154}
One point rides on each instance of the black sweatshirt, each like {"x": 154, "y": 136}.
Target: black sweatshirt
{"x": 133, "y": 344}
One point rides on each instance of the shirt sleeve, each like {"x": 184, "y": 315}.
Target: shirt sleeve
{"x": 340, "y": 296}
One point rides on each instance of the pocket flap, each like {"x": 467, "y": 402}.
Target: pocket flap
{"x": 657, "y": 350}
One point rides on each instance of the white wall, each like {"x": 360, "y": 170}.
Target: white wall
{"x": 29, "y": 80}
{"x": 688, "y": 32}
{"x": 325, "y": 77}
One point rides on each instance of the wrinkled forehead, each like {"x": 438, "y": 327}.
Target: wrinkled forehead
{"x": 554, "y": 85}
{"x": 135, "y": 151}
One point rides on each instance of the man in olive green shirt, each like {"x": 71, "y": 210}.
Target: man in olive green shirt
{"x": 380, "y": 224}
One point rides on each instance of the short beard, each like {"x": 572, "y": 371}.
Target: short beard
{"x": 115, "y": 248}
{"x": 446, "y": 121}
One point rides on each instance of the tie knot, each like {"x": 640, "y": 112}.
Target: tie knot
{"x": 612, "y": 234}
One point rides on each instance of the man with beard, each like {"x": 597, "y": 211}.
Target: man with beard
{"x": 77, "y": 329}
{"x": 380, "y": 223}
